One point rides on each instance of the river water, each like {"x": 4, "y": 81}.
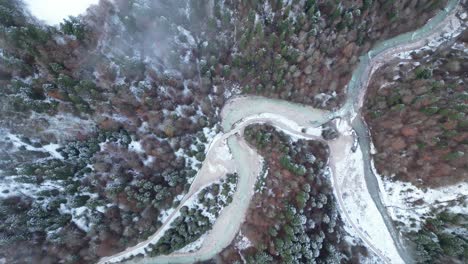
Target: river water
{"x": 248, "y": 162}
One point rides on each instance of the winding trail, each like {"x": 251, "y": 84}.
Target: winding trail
{"x": 229, "y": 152}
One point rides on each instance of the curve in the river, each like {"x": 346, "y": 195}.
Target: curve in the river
{"x": 300, "y": 121}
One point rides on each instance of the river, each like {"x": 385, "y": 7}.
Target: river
{"x": 302, "y": 122}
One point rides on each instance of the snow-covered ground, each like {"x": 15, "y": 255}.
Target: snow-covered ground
{"x": 14, "y": 185}
{"x": 136, "y": 146}
{"x": 448, "y": 32}
{"x": 10, "y": 187}
{"x": 405, "y": 202}
{"x": 243, "y": 242}
{"x": 17, "y": 143}
{"x": 362, "y": 217}
{"x": 65, "y": 126}
{"x": 79, "y": 216}
{"x": 411, "y": 205}
{"x": 53, "y": 12}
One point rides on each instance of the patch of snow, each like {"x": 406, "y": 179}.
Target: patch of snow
{"x": 80, "y": 218}
{"x": 149, "y": 160}
{"x": 65, "y": 126}
{"x": 324, "y": 98}
{"x": 165, "y": 214}
{"x": 60, "y": 40}
{"x": 261, "y": 185}
{"x": 102, "y": 145}
{"x": 186, "y": 57}
{"x": 268, "y": 10}
{"x": 210, "y": 134}
{"x": 243, "y": 243}
{"x": 179, "y": 110}
{"x": 411, "y": 205}
{"x": 373, "y": 151}
{"x": 343, "y": 127}
{"x": 101, "y": 209}
{"x": 234, "y": 90}
{"x": 449, "y": 31}
{"x": 52, "y": 149}
{"x": 119, "y": 118}
{"x": 49, "y": 148}
{"x": 137, "y": 92}
{"x": 136, "y": 147}
{"x": 405, "y": 55}
{"x": 188, "y": 35}
{"x": 463, "y": 15}
{"x": 357, "y": 204}
{"x": 9, "y": 187}
{"x": 189, "y": 161}
{"x": 143, "y": 128}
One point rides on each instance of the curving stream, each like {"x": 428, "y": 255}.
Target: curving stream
{"x": 302, "y": 121}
